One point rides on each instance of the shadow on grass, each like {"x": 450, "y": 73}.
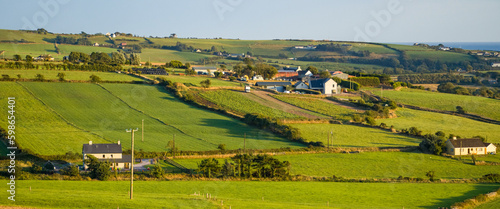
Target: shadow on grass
{"x": 478, "y": 189}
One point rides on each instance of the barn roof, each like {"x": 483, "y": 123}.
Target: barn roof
{"x": 102, "y": 148}
{"x": 467, "y": 143}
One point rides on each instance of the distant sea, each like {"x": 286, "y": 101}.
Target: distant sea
{"x": 493, "y": 46}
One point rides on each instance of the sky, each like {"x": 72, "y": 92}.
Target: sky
{"x": 354, "y": 20}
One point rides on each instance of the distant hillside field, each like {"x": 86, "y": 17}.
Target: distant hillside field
{"x": 472, "y": 104}
{"x": 244, "y": 194}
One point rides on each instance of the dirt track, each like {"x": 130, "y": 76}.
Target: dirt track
{"x": 262, "y": 97}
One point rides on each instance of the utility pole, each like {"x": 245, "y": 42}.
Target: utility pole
{"x": 132, "y": 163}
{"x": 142, "y": 130}
{"x": 328, "y": 143}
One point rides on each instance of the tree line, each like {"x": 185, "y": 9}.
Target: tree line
{"x": 245, "y": 166}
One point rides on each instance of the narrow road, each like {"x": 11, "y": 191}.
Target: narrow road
{"x": 262, "y": 97}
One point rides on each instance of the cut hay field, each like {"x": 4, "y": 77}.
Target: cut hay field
{"x": 36, "y": 50}
{"x": 70, "y": 75}
{"x": 430, "y": 122}
{"x": 377, "y": 165}
{"x": 473, "y": 104}
{"x": 439, "y": 55}
{"x": 36, "y": 125}
{"x": 164, "y": 56}
{"x": 319, "y": 106}
{"x": 235, "y": 101}
{"x": 94, "y": 109}
{"x": 495, "y": 204}
{"x": 353, "y": 136}
{"x": 195, "y": 80}
{"x": 179, "y": 194}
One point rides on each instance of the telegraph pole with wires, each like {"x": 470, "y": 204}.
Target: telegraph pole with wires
{"x": 132, "y": 163}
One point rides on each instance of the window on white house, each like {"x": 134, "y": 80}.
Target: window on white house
{"x": 111, "y": 156}
{"x": 103, "y": 156}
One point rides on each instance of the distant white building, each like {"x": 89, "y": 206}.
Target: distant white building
{"x": 495, "y": 64}
{"x": 326, "y": 85}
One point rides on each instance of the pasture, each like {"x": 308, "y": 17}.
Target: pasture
{"x": 94, "y": 109}
{"x": 37, "y": 125}
{"x": 319, "y": 106}
{"x": 235, "y": 101}
{"x": 442, "y": 101}
{"x": 442, "y": 56}
{"x": 36, "y": 50}
{"x": 376, "y": 165}
{"x": 206, "y": 126}
{"x": 353, "y": 136}
{"x": 165, "y": 55}
{"x": 70, "y": 75}
{"x": 180, "y": 194}
{"x": 430, "y": 123}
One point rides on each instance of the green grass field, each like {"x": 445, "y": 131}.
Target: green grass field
{"x": 164, "y": 56}
{"x": 179, "y": 194}
{"x": 439, "y": 55}
{"x": 319, "y": 106}
{"x": 208, "y": 126}
{"x": 377, "y": 165}
{"x": 36, "y": 50}
{"x": 473, "y": 104}
{"x": 36, "y": 125}
{"x": 92, "y": 108}
{"x": 353, "y": 136}
{"x": 195, "y": 80}
{"x": 430, "y": 122}
{"x": 409, "y": 48}
{"x": 235, "y": 101}
{"x": 70, "y": 75}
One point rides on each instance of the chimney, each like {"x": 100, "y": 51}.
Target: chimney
{"x": 454, "y": 138}
{"x": 90, "y": 142}
{"x": 118, "y": 142}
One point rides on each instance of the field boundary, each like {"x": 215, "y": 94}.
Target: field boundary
{"x": 157, "y": 119}
{"x": 59, "y": 115}
{"x": 179, "y": 166}
{"x": 466, "y": 115}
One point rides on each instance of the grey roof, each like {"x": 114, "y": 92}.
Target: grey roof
{"x": 457, "y": 143}
{"x": 318, "y": 83}
{"x": 303, "y": 72}
{"x": 102, "y": 148}
{"x": 124, "y": 159}
{"x": 273, "y": 84}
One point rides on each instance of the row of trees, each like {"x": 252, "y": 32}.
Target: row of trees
{"x": 248, "y": 69}
{"x": 73, "y": 41}
{"x": 245, "y": 166}
{"x": 116, "y": 58}
{"x": 438, "y": 78}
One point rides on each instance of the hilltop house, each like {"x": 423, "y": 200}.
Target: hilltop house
{"x": 107, "y": 152}
{"x": 340, "y": 74}
{"x": 326, "y": 85}
{"x": 495, "y": 64}
{"x": 469, "y": 147}
{"x": 278, "y": 86}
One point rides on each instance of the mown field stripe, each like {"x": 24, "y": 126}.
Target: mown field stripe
{"x": 59, "y": 115}
{"x": 150, "y": 116}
